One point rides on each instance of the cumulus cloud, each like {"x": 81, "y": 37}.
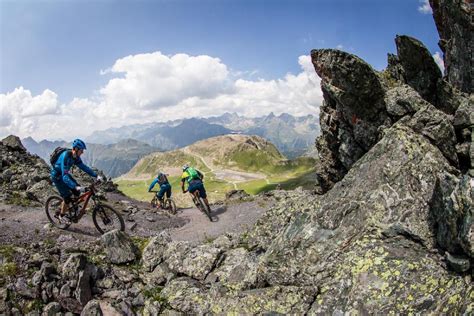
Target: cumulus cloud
{"x": 155, "y": 80}
{"x": 439, "y": 61}
{"x": 155, "y": 87}
{"x": 21, "y": 112}
{"x": 425, "y": 7}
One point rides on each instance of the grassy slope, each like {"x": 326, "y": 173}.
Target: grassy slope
{"x": 288, "y": 173}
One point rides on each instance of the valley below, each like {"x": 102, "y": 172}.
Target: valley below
{"x": 230, "y": 162}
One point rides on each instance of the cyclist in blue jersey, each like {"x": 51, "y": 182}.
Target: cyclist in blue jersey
{"x": 62, "y": 178}
{"x": 165, "y": 187}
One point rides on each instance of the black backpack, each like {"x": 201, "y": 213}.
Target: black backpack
{"x": 55, "y": 155}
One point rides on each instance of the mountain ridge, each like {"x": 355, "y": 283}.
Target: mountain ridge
{"x": 293, "y": 136}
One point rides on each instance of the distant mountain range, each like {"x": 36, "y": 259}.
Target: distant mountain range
{"x": 116, "y": 150}
{"x": 293, "y": 136}
{"x": 112, "y": 159}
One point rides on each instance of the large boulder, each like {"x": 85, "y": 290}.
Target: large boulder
{"x": 119, "y": 247}
{"x": 195, "y": 262}
{"x": 238, "y": 270}
{"x": 154, "y": 251}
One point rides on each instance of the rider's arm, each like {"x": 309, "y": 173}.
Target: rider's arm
{"x": 152, "y": 184}
{"x": 65, "y": 169}
{"x": 200, "y": 174}
{"x": 85, "y": 168}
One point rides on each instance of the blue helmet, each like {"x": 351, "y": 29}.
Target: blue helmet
{"x": 79, "y": 144}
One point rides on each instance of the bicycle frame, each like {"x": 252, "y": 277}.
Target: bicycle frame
{"x": 85, "y": 197}
{"x": 165, "y": 197}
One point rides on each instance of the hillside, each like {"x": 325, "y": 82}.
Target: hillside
{"x": 228, "y": 162}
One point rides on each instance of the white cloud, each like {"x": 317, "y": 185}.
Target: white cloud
{"x": 425, "y": 7}
{"x": 155, "y": 87}
{"x": 439, "y": 61}
{"x": 21, "y": 112}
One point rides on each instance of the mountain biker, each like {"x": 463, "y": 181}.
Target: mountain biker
{"x": 194, "y": 178}
{"x": 62, "y": 178}
{"x": 165, "y": 187}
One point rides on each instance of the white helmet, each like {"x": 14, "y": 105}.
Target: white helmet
{"x": 185, "y": 166}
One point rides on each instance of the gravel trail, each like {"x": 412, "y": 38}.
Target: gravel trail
{"x": 24, "y": 225}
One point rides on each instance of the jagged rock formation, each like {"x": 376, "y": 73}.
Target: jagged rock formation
{"x": 456, "y": 29}
{"x": 359, "y": 107}
{"x": 392, "y": 234}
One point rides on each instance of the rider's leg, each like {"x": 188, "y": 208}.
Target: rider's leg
{"x": 203, "y": 194}
{"x": 161, "y": 194}
{"x": 65, "y": 193}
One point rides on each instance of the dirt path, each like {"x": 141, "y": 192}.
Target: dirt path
{"x": 25, "y": 225}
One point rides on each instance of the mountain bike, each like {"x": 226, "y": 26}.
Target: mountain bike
{"x": 200, "y": 204}
{"x": 105, "y": 218}
{"x": 167, "y": 205}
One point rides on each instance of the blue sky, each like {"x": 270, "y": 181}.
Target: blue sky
{"x": 70, "y": 48}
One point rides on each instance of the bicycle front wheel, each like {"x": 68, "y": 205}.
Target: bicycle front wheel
{"x": 52, "y": 209}
{"x": 170, "y": 205}
{"x": 154, "y": 202}
{"x": 205, "y": 208}
{"x": 106, "y": 219}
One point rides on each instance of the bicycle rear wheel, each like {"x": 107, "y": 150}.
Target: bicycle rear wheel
{"x": 170, "y": 205}
{"x": 52, "y": 209}
{"x": 205, "y": 208}
{"x": 106, "y": 219}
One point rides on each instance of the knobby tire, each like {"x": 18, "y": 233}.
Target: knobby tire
{"x": 170, "y": 205}
{"x": 105, "y": 219}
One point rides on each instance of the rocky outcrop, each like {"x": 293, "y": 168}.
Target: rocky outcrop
{"x": 360, "y": 103}
{"x": 24, "y": 178}
{"x": 351, "y": 114}
{"x": 456, "y": 31}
